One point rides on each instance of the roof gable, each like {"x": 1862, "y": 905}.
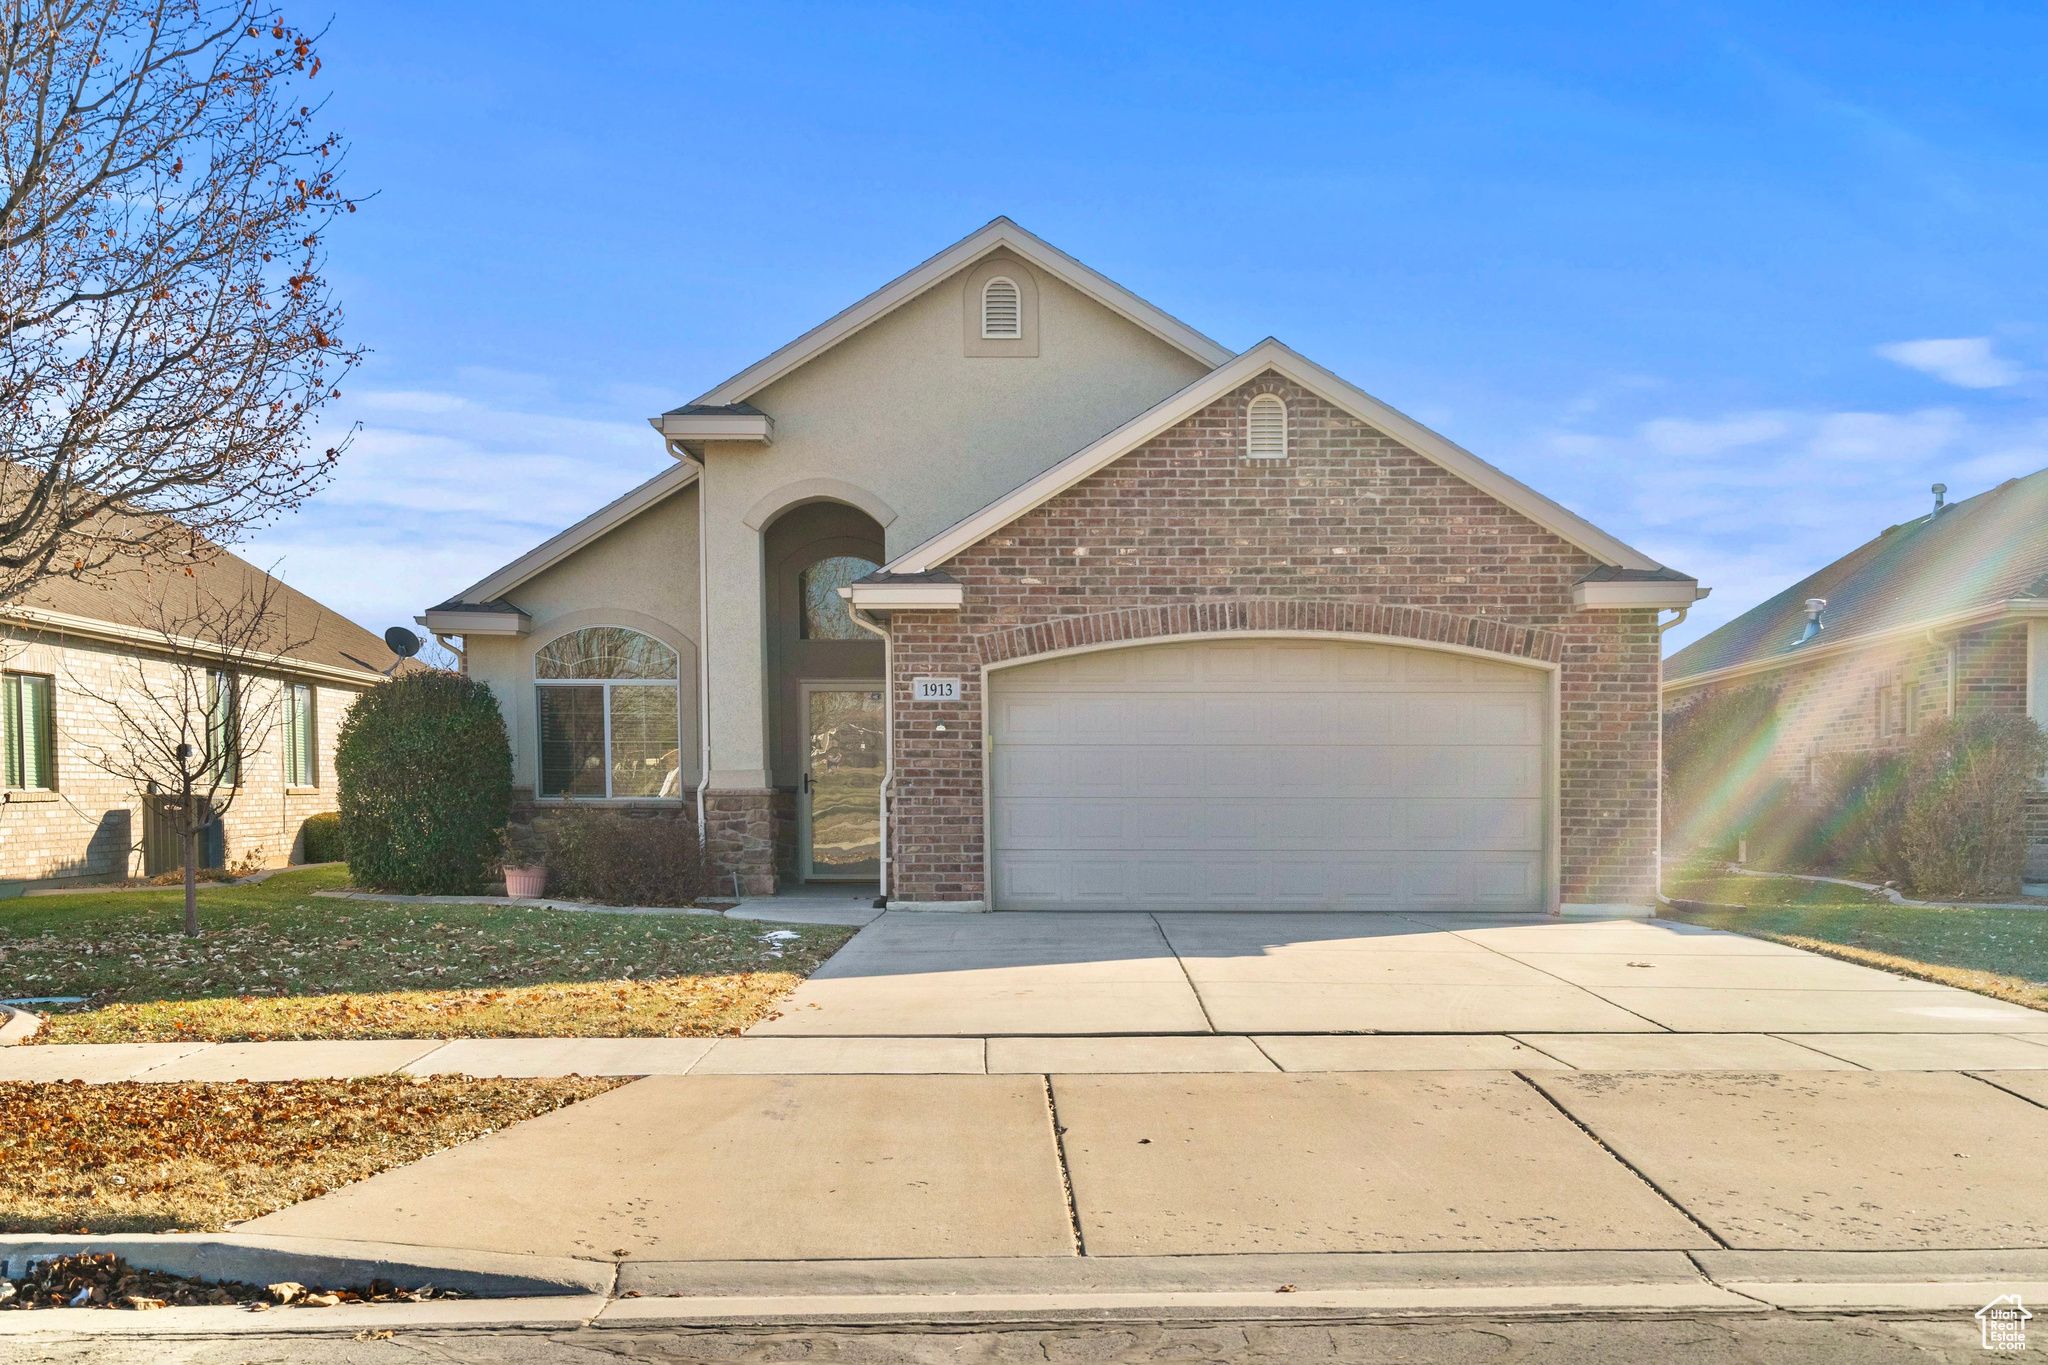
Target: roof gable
{"x": 559, "y": 547}
{"x": 1272, "y": 355}
{"x": 962, "y": 254}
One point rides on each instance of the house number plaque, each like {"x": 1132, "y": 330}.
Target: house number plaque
{"x": 936, "y": 689}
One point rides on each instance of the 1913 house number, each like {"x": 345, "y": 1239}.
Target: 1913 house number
{"x": 936, "y": 689}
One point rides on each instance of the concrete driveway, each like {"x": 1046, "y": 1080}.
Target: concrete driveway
{"x": 1054, "y": 975}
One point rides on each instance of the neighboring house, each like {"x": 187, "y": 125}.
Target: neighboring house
{"x": 1943, "y": 615}
{"x": 1146, "y": 624}
{"x": 70, "y": 649}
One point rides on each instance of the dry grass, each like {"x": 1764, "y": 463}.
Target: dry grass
{"x": 2018, "y": 990}
{"x": 275, "y": 962}
{"x": 202, "y": 1156}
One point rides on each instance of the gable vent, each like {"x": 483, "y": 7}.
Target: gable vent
{"x": 1266, "y": 429}
{"x": 1002, "y": 311}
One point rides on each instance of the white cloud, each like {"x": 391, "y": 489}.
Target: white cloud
{"x": 1672, "y": 437}
{"x": 438, "y": 489}
{"x": 1966, "y": 362}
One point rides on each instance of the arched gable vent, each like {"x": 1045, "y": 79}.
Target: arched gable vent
{"x": 1002, "y": 310}
{"x": 1266, "y": 429}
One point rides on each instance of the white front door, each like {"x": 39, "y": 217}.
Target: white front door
{"x": 1268, "y": 774}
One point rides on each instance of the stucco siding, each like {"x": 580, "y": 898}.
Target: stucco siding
{"x": 642, "y": 575}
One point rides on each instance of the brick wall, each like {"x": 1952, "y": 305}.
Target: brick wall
{"x": 90, "y": 825}
{"x": 1351, "y": 520}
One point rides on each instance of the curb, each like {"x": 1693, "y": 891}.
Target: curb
{"x": 17, "y": 1025}
{"x": 325, "y": 1261}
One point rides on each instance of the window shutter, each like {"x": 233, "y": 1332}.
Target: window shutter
{"x": 1002, "y": 310}
{"x": 1266, "y": 429}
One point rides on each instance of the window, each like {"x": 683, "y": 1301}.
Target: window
{"x": 31, "y": 738}
{"x": 224, "y": 728}
{"x": 610, "y": 723}
{"x": 827, "y": 615}
{"x": 1002, "y": 310}
{"x": 1912, "y": 708}
{"x": 301, "y": 741}
{"x": 1266, "y": 429}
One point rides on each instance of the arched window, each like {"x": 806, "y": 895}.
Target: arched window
{"x": 1266, "y": 429}
{"x": 1002, "y": 310}
{"x": 610, "y": 715}
{"x": 827, "y": 615}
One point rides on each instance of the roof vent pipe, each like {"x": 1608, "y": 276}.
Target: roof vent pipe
{"x": 1940, "y": 492}
{"x": 1814, "y": 607}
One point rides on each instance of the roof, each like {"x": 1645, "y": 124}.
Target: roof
{"x": 557, "y": 548}
{"x": 999, "y": 233}
{"x": 124, "y": 599}
{"x": 1975, "y": 556}
{"x": 1271, "y": 355}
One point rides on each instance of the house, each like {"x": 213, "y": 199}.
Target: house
{"x": 77, "y": 654}
{"x": 1144, "y": 623}
{"x": 1942, "y": 615}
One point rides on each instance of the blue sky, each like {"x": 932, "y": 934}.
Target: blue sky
{"x": 1738, "y": 282}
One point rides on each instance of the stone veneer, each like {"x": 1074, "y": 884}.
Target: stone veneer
{"x": 739, "y": 828}
{"x": 1353, "y": 532}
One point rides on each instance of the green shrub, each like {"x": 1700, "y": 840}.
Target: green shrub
{"x": 1964, "y": 832}
{"x": 616, "y": 857}
{"x": 425, "y": 773}
{"x": 320, "y": 838}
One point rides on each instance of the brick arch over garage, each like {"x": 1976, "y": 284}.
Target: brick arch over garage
{"x": 1236, "y": 614}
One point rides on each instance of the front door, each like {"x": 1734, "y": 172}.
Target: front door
{"x": 840, "y": 803}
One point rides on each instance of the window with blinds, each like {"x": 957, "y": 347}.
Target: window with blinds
{"x": 1266, "y": 429}
{"x": 300, "y": 736}
{"x": 1002, "y": 310}
{"x": 30, "y": 733}
{"x": 223, "y": 728}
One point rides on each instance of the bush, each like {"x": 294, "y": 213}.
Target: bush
{"x": 320, "y": 838}
{"x": 425, "y": 774}
{"x": 1964, "y": 833}
{"x": 615, "y": 857}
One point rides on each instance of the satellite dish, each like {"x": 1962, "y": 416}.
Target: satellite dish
{"x": 401, "y": 642}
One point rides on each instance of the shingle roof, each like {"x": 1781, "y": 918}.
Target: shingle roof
{"x": 123, "y": 597}
{"x": 1987, "y": 549}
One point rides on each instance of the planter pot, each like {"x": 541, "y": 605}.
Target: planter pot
{"x": 526, "y": 881}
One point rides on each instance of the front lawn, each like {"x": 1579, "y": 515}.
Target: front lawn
{"x": 274, "y": 961}
{"x": 1695, "y": 882}
{"x": 202, "y": 1156}
{"x": 2002, "y": 953}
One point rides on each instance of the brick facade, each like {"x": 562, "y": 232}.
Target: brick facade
{"x": 1352, "y": 533}
{"x": 89, "y": 825}
{"x": 1877, "y": 697}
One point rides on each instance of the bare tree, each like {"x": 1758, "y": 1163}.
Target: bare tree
{"x": 166, "y": 336}
{"x": 190, "y": 706}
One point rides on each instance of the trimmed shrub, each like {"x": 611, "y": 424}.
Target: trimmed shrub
{"x": 616, "y": 857}
{"x": 1964, "y": 830}
{"x": 320, "y": 838}
{"x": 425, "y": 773}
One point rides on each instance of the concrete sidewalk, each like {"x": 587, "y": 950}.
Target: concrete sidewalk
{"x": 998, "y": 1056}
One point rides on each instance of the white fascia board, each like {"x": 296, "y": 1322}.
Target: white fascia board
{"x": 2015, "y": 608}
{"x": 963, "y": 253}
{"x": 906, "y": 596}
{"x": 62, "y": 623}
{"x": 467, "y": 623}
{"x": 553, "y": 551}
{"x": 717, "y": 427}
{"x": 1272, "y": 355}
{"x": 1664, "y": 595}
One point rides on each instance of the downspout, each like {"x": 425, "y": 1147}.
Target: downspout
{"x": 680, "y": 452}
{"x": 889, "y": 731}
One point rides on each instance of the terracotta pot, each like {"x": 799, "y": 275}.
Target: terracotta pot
{"x": 526, "y": 881}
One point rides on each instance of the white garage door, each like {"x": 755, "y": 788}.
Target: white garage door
{"x": 1268, "y": 775}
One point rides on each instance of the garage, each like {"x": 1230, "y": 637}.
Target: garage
{"x": 1255, "y": 774}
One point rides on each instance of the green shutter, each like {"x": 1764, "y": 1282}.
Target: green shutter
{"x": 10, "y": 695}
